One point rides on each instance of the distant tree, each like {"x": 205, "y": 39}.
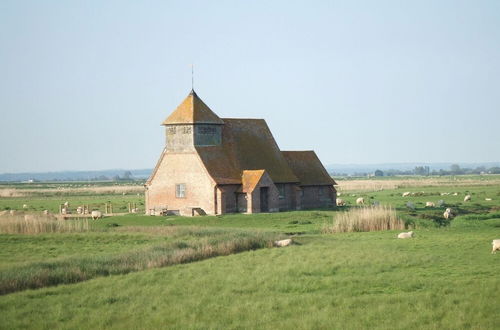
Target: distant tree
{"x": 421, "y": 170}
{"x": 494, "y": 170}
{"x": 378, "y": 173}
{"x": 127, "y": 175}
{"x": 455, "y": 169}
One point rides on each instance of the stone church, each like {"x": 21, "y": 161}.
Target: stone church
{"x": 213, "y": 165}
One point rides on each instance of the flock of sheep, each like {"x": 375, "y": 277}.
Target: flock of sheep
{"x": 448, "y": 213}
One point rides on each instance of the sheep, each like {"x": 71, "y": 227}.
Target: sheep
{"x": 467, "y": 198}
{"x": 25, "y": 206}
{"x": 487, "y": 199}
{"x": 46, "y": 212}
{"x": 406, "y": 235}
{"x": 430, "y": 204}
{"x": 283, "y": 242}
{"x": 65, "y": 211}
{"x": 79, "y": 210}
{"x": 406, "y": 194}
{"x": 496, "y": 245}
{"x": 134, "y": 210}
{"x": 340, "y": 202}
{"x": 12, "y": 212}
{"x": 66, "y": 204}
{"x": 448, "y": 214}
{"x": 445, "y": 193}
{"x": 360, "y": 200}
{"x": 96, "y": 215}
{"x": 455, "y": 194}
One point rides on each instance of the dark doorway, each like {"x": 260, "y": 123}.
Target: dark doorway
{"x": 264, "y": 198}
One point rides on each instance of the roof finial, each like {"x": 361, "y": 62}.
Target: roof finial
{"x": 192, "y": 77}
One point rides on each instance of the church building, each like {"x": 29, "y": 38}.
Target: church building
{"x": 213, "y": 165}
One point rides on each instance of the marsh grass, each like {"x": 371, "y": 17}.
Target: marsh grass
{"x": 195, "y": 244}
{"x": 371, "y": 218}
{"x": 33, "y": 224}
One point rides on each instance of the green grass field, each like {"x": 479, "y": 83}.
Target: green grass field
{"x": 444, "y": 278}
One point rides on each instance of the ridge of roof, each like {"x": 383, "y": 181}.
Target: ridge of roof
{"x": 192, "y": 110}
{"x": 306, "y": 165}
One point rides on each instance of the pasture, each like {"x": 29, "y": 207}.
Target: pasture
{"x": 122, "y": 272}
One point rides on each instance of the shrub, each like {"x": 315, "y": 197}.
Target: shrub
{"x": 372, "y": 218}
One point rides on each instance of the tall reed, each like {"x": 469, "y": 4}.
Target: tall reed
{"x": 370, "y": 218}
{"x": 33, "y": 224}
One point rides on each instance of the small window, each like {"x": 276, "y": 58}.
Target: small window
{"x": 281, "y": 189}
{"x": 180, "y": 190}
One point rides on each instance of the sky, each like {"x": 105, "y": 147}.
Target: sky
{"x": 85, "y": 85}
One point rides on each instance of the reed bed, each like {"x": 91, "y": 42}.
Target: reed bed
{"x": 34, "y": 224}
{"x": 370, "y": 218}
{"x": 378, "y": 184}
{"x": 197, "y": 245}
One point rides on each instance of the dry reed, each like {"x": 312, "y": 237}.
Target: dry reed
{"x": 377, "y": 184}
{"x": 33, "y": 224}
{"x": 371, "y": 218}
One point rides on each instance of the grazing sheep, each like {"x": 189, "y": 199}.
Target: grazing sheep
{"x": 25, "y": 206}
{"x": 496, "y": 245}
{"x": 445, "y": 194}
{"x": 79, "y": 210}
{"x": 46, "y": 212}
{"x": 467, "y": 198}
{"x": 448, "y": 214}
{"x": 65, "y": 211}
{"x": 283, "y": 242}
{"x": 406, "y": 235}
{"x": 360, "y": 200}
{"x": 339, "y": 194}
{"x": 66, "y": 204}
{"x": 340, "y": 202}
{"x": 96, "y": 215}
{"x": 487, "y": 199}
{"x": 455, "y": 194}
{"x": 134, "y": 210}
{"x": 406, "y": 194}
{"x": 430, "y": 204}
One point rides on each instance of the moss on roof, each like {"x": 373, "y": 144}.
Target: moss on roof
{"x": 308, "y": 168}
{"x": 192, "y": 110}
{"x": 247, "y": 144}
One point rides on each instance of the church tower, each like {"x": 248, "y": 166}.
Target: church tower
{"x": 191, "y": 125}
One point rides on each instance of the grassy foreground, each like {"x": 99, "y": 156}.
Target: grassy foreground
{"x": 443, "y": 278}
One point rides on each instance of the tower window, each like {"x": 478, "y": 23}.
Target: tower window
{"x": 180, "y": 190}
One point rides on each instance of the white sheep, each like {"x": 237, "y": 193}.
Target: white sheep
{"x": 283, "y": 242}
{"x": 46, "y": 212}
{"x": 79, "y": 210}
{"x": 406, "y": 235}
{"x": 496, "y": 245}
{"x": 360, "y": 200}
{"x": 340, "y": 202}
{"x": 487, "y": 199}
{"x": 406, "y": 194}
{"x": 25, "y": 206}
{"x": 430, "y": 204}
{"x": 66, "y": 204}
{"x": 467, "y": 198}
{"x": 96, "y": 215}
{"x": 448, "y": 214}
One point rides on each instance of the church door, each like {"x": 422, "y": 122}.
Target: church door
{"x": 264, "y": 199}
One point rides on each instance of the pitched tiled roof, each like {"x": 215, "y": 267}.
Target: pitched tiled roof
{"x": 247, "y": 144}
{"x": 250, "y": 179}
{"x": 308, "y": 168}
{"x": 192, "y": 110}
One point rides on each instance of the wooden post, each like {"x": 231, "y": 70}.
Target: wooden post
{"x": 129, "y": 208}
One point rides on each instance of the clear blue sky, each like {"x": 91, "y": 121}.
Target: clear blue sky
{"x": 85, "y": 84}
